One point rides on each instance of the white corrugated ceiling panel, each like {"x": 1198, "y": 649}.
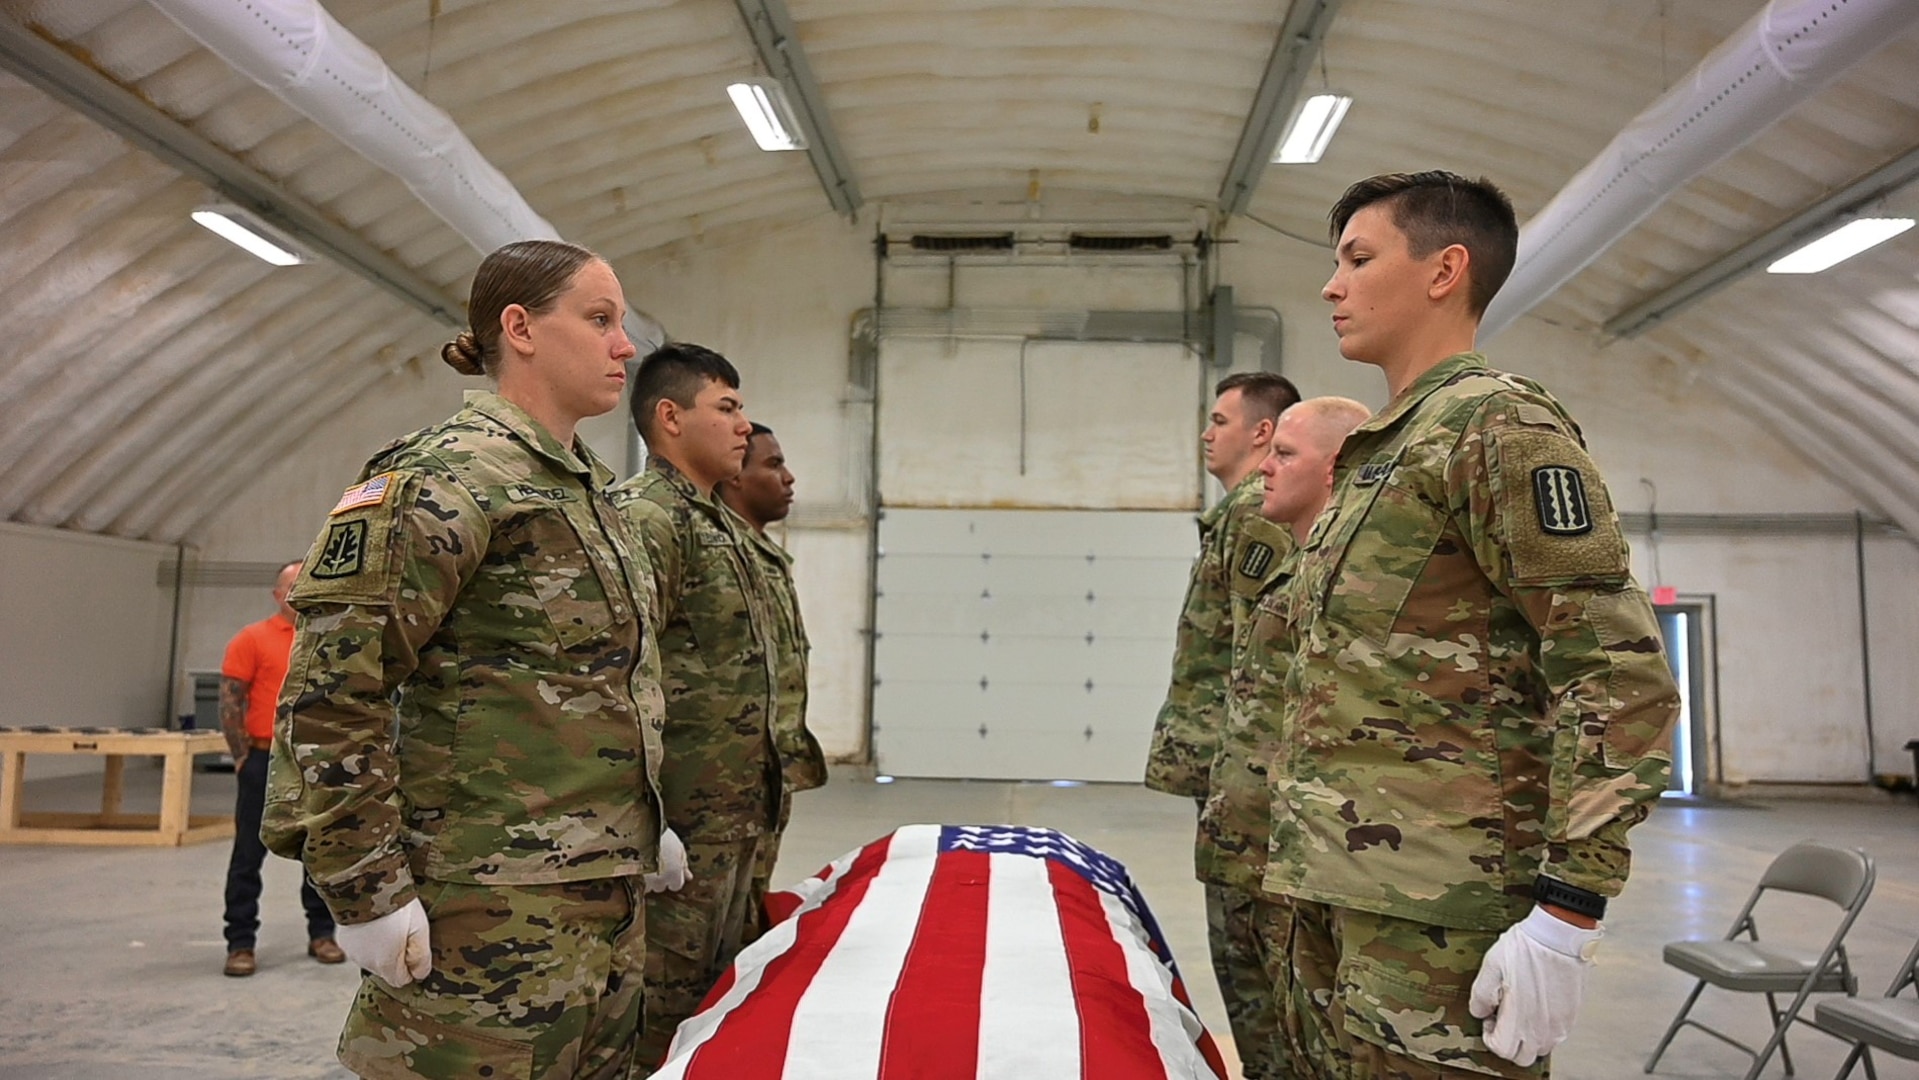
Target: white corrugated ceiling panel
{"x": 147, "y": 359}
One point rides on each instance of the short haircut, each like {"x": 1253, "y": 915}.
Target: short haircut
{"x": 759, "y": 429}
{"x": 1328, "y": 420}
{"x": 676, "y": 372}
{"x": 1438, "y": 209}
{"x": 1265, "y": 393}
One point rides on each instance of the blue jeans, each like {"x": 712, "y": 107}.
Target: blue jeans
{"x": 249, "y": 853}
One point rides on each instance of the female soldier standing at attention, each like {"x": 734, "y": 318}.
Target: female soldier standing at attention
{"x": 484, "y": 858}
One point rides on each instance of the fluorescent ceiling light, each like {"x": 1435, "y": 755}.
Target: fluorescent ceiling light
{"x": 242, "y": 229}
{"x": 1312, "y": 128}
{"x": 762, "y": 104}
{"x": 1840, "y": 244}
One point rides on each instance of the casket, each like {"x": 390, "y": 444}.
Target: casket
{"x": 950, "y": 951}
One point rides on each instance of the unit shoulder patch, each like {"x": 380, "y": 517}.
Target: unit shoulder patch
{"x": 1559, "y": 521}
{"x": 1255, "y": 559}
{"x": 343, "y": 552}
{"x": 1560, "y": 498}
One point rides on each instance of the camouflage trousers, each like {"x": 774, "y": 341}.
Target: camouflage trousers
{"x": 528, "y": 981}
{"x": 1241, "y": 966}
{"x": 693, "y": 935}
{"x": 765, "y": 857}
{"x": 1371, "y": 997}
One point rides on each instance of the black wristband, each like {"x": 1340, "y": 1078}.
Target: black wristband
{"x": 1579, "y": 901}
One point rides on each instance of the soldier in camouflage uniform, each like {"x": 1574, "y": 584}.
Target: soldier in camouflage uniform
{"x": 1186, "y": 733}
{"x": 1479, "y": 707}
{"x": 760, "y": 495}
{"x": 721, "y": 781}
{"x": 484, "y": 856}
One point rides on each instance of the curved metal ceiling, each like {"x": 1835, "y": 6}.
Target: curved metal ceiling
{"x": 147, "y": 358}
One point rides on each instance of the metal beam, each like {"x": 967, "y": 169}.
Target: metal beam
{"x": 779, "y": 47}
{"x": 121, "y": 111}
{"x": 1299, "y": 39}
{"x": 1789, "y": 234}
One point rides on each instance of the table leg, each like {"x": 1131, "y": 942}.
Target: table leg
{"x": 113, "y": 785}
{"x": 13, "y": 773}
{"x": 175, "y": 794}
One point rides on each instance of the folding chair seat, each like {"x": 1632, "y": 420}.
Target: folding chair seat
{"x": 1889, "y": 1023}
{"x": 1742, "y": 963}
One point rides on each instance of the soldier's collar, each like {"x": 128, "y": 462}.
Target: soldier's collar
{"x": 1422, "y": 388}
{"x": 679, "y": 481}
{"x": 521, "y": 423}
{"x": 1251, "y": 485}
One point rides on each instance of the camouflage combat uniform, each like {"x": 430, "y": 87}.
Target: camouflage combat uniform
{"x": 1230, "y": 853}
{"x": 802, "y": 765}
{"x": 478, "y": 587}
{"x": 1186, "y": 733}
{"x": 1478, "y": 696}
{"x": 721, "y": 783}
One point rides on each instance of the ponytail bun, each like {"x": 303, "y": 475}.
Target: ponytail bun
{"x": 464, "y": 355}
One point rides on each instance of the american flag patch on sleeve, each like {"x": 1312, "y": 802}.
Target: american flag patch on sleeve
{"x": 369, "y": 493}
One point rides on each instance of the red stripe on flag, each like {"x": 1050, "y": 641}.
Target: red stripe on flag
{"x": 751, "y": 1042}
{"x": 1115, "y": 1034}
{"x": 933, "y": 1016}
{"x": 1208, "y": 1049}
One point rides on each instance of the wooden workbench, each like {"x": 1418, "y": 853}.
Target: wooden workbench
{"x": 172, "y": 826}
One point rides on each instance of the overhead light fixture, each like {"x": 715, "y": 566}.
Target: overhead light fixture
{"x": 1312, "y": 128}
{"x": 762, "y": 104}
{"x": 242, "y": 229}
{"x": 1840, "y": 244}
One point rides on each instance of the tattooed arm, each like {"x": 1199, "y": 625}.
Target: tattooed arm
{"x": 233, "y": 717}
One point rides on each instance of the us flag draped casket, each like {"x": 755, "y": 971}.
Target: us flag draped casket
{"x": 953, "y": 952}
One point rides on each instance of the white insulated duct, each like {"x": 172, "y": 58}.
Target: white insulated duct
{"x": 1788, "y": 52}
{"x": 308, "y": 60}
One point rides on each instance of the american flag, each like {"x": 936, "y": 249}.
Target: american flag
{"x": 363, "y": 494}
{"x": 960, "y": 952}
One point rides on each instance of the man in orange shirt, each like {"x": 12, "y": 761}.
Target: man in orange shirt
{"x": 250, "y": 678}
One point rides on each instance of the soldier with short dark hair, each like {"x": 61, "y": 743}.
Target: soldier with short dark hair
{"x": 1186, "y": 732}
{"x": 763, "y": 494}
{"x": 722, "y": 783}
{"x": 487, "y": 865}
{"x": 1478, "y": 708}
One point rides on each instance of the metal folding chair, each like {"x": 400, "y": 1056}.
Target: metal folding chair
{"x": 1741, "y": 962}
{"x": 1889, "y": 1023}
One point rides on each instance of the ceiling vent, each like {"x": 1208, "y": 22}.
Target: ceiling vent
{"x": 1080, "y": 241}
{"x": 998, "y": 241}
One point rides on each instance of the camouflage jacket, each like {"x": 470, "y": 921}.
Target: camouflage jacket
{"x": 1478, "y": 694}
{"x": 1186, "y": 732}
{"x": 478, "y": 587}
{"x": 720, "y": 781}
{"x": 802, "y": 764}
{"x": 1236, "y": 820}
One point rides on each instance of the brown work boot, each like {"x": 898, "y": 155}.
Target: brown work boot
{"x": 239, "y": 963}
{"x": 326, "y": 951}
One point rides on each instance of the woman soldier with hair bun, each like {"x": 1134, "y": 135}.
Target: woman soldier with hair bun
{"x": 484, "y": 855}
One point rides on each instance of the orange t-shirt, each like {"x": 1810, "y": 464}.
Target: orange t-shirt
{"x": 258, "y": 656}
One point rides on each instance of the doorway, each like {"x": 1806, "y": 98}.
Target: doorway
{"x": 1687, "y": 627}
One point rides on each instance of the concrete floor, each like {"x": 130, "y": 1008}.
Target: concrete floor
{"x": 110, "y": 957}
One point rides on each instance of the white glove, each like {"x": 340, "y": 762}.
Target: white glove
{"x": 672, "y": 874}
{"x": 393, "y": 946}
{"x": 1532, "y": 984}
